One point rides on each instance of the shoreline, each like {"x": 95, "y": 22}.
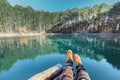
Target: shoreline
{"x": 8, "y": 35}
{"x": 4, "y": 35}
{"x": 102, "y": 34}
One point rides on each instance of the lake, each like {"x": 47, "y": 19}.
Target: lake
{"x": 22, "y": 57}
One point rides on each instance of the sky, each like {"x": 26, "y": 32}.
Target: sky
{"x": 59, "y": 5}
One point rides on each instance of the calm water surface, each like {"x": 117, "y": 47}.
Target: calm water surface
{"x": 21, "y": 58}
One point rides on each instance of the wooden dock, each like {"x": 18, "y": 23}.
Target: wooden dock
{"x": 48, "y": 74}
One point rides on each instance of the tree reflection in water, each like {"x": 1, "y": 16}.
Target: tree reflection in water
{"x": 14, "y": 49}
{"x": 93, "y": 47}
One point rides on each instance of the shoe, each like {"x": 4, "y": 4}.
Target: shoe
{"x": 77, "y": 60}
{"x": 69, "y": 56}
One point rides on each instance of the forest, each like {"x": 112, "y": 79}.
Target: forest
{"x": 99, "y": 18}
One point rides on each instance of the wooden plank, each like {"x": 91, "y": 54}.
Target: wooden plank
{"x": 48, "y": 74}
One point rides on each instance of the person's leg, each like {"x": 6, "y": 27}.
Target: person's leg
{"x": 81, "y": 73}
{"x": 67, "y": 73}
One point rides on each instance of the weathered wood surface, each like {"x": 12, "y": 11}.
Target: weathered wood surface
{"x": 48, "y": 74}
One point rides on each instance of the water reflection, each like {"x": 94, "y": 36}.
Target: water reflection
{"x": 12, "y": 50}
{"x": 96, "y": 48}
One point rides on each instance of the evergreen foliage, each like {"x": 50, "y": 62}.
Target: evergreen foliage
{"x": 25, "y": 19}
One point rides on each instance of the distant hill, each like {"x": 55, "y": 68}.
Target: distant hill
{"x": 98, "y": 18}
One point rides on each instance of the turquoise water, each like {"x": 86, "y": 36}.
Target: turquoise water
{"x": 22, "y": 57}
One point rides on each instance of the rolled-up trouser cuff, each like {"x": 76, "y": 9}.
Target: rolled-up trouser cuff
{"x": 84, "y": 75}
{"x": 69, "y": 64}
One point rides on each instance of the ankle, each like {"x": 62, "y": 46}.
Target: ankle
{"x": 78, "y": 65}
{"x": 69, "y": 61}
